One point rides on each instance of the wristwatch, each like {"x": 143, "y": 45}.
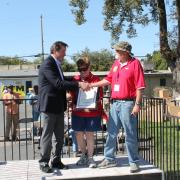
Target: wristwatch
{"x": 138, "y": 103}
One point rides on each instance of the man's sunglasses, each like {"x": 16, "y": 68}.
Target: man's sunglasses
{"x": 83, "y": 69}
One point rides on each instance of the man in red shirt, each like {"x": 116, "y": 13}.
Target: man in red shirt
{"x": 126, "y": 77}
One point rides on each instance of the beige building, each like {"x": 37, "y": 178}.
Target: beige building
{"x": 25, "y": 77}
{"x": 157, "y": 79}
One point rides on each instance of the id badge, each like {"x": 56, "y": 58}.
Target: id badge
{"x": 116, "y": 87}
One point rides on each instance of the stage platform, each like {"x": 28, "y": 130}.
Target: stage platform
{"x": 29, "y": 170}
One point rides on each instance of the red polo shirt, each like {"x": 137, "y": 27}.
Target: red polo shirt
{"x": 126, "y": 79}
{"x": 88, "y": 112}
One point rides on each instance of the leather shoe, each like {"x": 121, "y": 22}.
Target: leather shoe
{"x": 6, "y": 139}
{"x": 14, "y": 138}
{"x": 44, "y": 167}
{"x": 59, "y": 165}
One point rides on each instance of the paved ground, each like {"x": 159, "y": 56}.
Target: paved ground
{"x": 27, "y": 150}
{"x": 29, "y": 170}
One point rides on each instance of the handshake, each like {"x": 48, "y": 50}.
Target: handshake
{"x": 85, "y": 86}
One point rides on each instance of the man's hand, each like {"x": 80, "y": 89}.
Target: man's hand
{"x": 68, "y": 96}
{"x": 84, "y": 86}
{"x": 136, "y": 109}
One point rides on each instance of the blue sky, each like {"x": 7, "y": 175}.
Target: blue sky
{"x": 20, "y": 32}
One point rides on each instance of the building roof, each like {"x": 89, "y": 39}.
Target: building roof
{"x": 34, "y": 73}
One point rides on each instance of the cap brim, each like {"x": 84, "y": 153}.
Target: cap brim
{"x": 117, "y": 48}
{"x": 131, "y": 54}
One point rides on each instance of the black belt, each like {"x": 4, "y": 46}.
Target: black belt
{"x": 127, "y": 99}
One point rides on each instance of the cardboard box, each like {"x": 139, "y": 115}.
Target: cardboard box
{"x": 164, "y": 93}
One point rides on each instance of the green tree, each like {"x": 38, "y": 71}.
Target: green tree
{"x": 12, "y": 60}
{"x": 123, "y": 15}
{"x": 68, "y": 67}
{"x": 37, "y": 60}
{"x": 158, "y": 61}
{"x": 100, "y": 60}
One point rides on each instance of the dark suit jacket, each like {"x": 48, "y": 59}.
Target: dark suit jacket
{"x": 52, "y": 89}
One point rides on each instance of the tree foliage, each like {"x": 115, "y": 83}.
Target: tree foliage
{"x": 123, "y": 16}
{"x": 68, "y": 67}
{"x": 37, "y": 60}
{"x": 12, "y": 61}
{"x": 79, "y": 7}
{"x": 120, "y": 15}
{"x": 100, "y": 60}
{"x": 158, "y": 61}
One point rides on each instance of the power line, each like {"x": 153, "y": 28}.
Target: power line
{"x": 46, "y": 54}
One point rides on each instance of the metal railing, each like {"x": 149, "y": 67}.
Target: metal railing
{"x": 23, "y": 146}
{"x": 177, "y": 102}
{"x": 158, "y": 136}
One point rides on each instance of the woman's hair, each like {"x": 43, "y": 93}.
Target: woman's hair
{"x": 83, "y": 61}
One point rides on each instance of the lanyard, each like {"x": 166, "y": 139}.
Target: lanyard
{"x": 118, "y": 73}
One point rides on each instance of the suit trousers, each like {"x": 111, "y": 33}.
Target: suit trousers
{"x": 52, "y": 123}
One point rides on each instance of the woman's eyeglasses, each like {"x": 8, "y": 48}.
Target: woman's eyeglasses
{"x": 80, "y": 69}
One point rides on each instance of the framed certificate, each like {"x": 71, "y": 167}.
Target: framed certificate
{"x": 87, "y": 99}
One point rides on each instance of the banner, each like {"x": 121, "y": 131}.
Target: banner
{"x": 18, "y": 88}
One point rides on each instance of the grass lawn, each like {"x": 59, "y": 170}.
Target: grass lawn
{"x": 162, "y": 144}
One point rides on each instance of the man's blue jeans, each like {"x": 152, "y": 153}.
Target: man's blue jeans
{"x": 120, "y": 116}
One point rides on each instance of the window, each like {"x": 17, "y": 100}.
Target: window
{"x": 163, "y": 82}
{"x": 28, "y": 85}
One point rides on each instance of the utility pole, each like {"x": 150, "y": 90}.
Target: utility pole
{"x": 42, "y": 38}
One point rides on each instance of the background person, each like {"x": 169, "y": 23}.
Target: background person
{"x": 52, "y": 104}
{"x": 30, "y": 91}
{"x": 11, "y": 101}
{"x": 33, "y": 98}
{"x": 5, "y": 90}
{"x": 126, "y": 77}
{"x": 86, "y": 121}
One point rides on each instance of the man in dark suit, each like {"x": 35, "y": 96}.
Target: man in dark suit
{"x": 52, "y": 104}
